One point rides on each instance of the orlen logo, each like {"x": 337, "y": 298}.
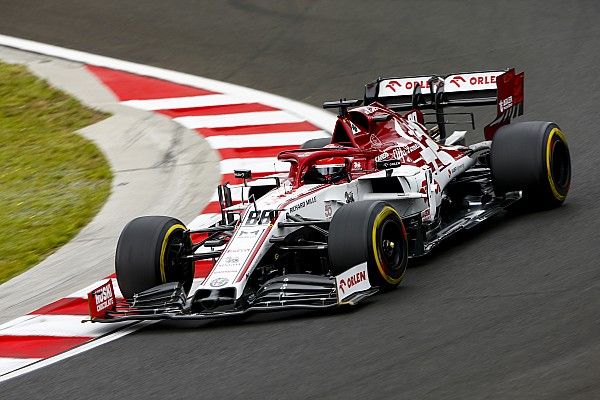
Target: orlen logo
{"x": 391, "y": 84}
{"x": 352, "y": 280}
{"x": 482, "y": 80}
{"x": 457, "y": 79}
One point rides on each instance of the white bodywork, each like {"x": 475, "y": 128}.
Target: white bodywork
{"x": 421, "y": 194}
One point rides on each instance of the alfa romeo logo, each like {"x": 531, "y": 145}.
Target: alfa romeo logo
{"x": 219, "y": 282}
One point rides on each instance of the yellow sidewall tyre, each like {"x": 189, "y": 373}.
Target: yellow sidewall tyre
{"x": 532, "y": 157}
{"x": 149, "y": 254}
{"x": 372, "y": 232}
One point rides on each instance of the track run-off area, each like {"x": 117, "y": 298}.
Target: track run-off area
{"x": 507, "y": 311}
{"x": 245, "y": 132}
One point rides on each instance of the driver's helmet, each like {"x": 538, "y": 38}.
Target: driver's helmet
{"x": 332, "y": 168}
{"x": 330, "y": 165}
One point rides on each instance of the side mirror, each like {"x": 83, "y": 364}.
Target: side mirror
{"x": 242, "y": 174}
{"x": 387, "y": 164}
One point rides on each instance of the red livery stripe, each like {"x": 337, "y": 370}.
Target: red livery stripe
{"x": 66, "y": 306}
{"x": 215, "y": 110}
{"x": 203, "y": 268}
{"x": 128, "y": 86}
{"x": 38, "y": 346}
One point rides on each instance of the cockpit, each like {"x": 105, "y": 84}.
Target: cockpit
{"x": 328, "y": 170}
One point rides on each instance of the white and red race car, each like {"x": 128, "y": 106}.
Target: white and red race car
{"x": 353, "y": 209}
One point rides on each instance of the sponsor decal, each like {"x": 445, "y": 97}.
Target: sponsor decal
{"x": 505, "y": 104}
{"x": 351, "y": 281}
{"x": 475, "y": 81}
{"x": 369, "y": 110}
{"x": 413, "y": 116}
{"x": 455, "y": 169}
{"x": 392, "y": 85}
{"x": 402, "y": 87}
{"x": 375, "y": 141}
{"x": 453, "y": 83}
{"x": 231, "y": 260}
{"x": 101, "y": 300}
{"x": 410, "y": 85}
{"x": 399, "y": 152}
{"x": 349, "y": 197}
{"x": 238, "y": 250}
{"x": 356, "y": 279}
{"x": 382, "y": 156}
{"x": 388, "y": 164}
{"x": 259, "y": 217}
{"x": 225, "y": 271}
{"x": 457, "y": 79}
{"x": 249, "y": 234}
{"x": 426, "y": 214}
{"x": 218, "y": 282}
{"x": 354, "y": 127}
{"x": 303, "y": 204}
{"x": 482, "y": 80}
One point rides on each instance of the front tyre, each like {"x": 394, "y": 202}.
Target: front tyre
{"x": 532, "y": 157}
{"x": 371, "y": 232}
{"x": 150, "y": 252}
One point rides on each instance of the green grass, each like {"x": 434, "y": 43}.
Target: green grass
{"x": 52, "y": 181}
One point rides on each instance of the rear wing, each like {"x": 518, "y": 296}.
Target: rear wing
{"x": 501, "y": 88}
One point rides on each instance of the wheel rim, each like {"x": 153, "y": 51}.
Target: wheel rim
{"x": 390, "y": 245}
{"x": 176, "y": 267}
{"x": 560, "y": 168}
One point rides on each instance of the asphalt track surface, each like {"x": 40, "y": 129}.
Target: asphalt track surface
{"x": 508, "y": 311}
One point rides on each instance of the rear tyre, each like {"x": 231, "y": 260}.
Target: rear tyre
{"x": 316, "y": 143}
{"x": 532, "y": 157}
{"x": 371, "y": 232}
{"x": 149, "y": 253}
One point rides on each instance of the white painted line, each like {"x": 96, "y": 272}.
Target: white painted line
{"x": 239, "y": 119}
{"x": 314, "y": 115}
{"x": 58, "y": 325}
{"x": 14, "y": 322}
{"x": 262, "y": 164}
{"x": 185, "y": 102}
{"x": 263, "y": 139}
{"x": 8, "y": 364}
{"x": 134, "y": 326}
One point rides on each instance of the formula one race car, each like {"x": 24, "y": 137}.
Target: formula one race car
{"x": 353, "y": 209}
